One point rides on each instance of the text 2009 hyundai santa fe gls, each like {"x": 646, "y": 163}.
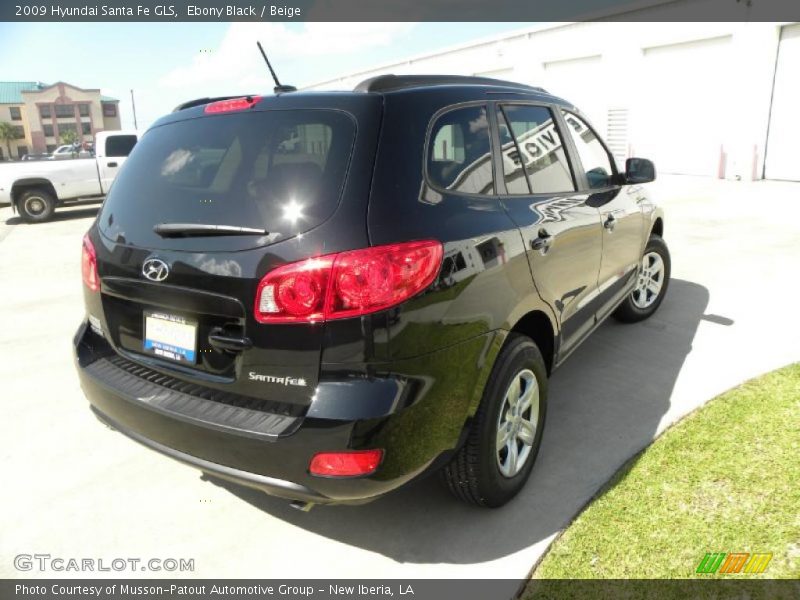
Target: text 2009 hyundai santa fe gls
{"x": 325, "y": 295}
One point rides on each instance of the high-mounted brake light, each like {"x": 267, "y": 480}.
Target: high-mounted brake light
{"x": 232, "y": 105}
{"x": 345, "y": 464}
{"x": 348, "y": 284}
{"x": 89, "y": 265}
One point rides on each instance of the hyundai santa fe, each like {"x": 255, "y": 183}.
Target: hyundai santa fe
{"x": 326, "y": 295}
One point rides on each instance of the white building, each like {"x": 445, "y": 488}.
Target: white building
{"x": 713, "y": 99}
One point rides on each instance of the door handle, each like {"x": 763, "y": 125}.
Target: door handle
{"x": 229, "y": 343}
{"x": 542, "y": 242}
{"x": 610, "y": 222}
{"x": 111, "y": 164}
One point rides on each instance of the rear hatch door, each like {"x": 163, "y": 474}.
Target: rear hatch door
{"x": 206, "y": 205}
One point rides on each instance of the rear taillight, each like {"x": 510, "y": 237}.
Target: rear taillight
{"x": 348, "y": 284}
{"x": 294, "y": 292}
{"x": 89, "y": 265}
{"x": 232, "y": 105}
{"x": 345, "y": 464}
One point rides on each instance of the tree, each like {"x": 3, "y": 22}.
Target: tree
{"x": 7, "y": 133}
{"x": 69, "y": 137}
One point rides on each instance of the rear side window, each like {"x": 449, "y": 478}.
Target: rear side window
{"x": 280, "y": 170}
{"x": 120, "y": 145}
{"x": 594, "y": 156}
{"x": 459, "y": 152}
{"x": 533, "y": 148}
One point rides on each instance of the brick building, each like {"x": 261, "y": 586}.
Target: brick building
{"x": 41, "y": 113}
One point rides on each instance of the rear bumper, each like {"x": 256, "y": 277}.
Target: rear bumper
{"x": 271, "y": 452}
{"x": 270, "y": 485}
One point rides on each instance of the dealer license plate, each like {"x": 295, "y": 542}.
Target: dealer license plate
{"x": 170, "y": 336}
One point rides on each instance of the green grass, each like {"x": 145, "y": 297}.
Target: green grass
{"x": 725, "y": 479}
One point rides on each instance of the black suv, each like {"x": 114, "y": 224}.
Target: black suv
{"x": 326, "y": 295}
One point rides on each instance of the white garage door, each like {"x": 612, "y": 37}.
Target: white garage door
{"x": 783, "y": 144}
{"x": 683, "y": 106}
{"x": 505, "y": 74}
{"x": 578, "y": 80}
{"x": 584, "y": 81}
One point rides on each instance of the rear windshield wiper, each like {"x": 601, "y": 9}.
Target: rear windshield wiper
{"x": 202, "y": 229}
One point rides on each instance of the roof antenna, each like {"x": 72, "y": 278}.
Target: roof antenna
{"x": 278, "y": 89}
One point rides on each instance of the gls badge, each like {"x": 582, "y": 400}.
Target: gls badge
{"x": 299, "y": 381}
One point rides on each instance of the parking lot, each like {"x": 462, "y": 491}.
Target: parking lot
{"x": 75, "y": 489}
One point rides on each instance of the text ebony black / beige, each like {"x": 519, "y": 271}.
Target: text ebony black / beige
{"x": 326, "y": 295}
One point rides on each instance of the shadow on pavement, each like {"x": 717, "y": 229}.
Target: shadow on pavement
{"x": 605, "y": 405}
{"x": 60, "y": 215}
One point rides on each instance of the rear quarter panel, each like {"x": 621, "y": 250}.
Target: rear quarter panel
{"x": 70, "y": 178}
{"x": 443, "y": 342}
{"x": 493, "y": 287}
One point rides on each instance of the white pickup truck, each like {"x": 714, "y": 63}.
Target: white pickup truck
{"x": 34, "y": 189}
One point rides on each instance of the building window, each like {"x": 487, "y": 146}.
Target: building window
{"x": 16, "y": 113}
{"x": 459, "y": 156}
{"x": 44, "y": 111}
{"x": 51, "y": 148}
{"x": 48, "y": 130}
{"x": 65, "y": 110}
{"x": 83, "y": 109}
{"x": 19, "y": 132}
{"x": 22, "y": 151}
{"x": 66, "y": 128}
{"x": 109, "y": 110}
{"x": 86, "y": 128}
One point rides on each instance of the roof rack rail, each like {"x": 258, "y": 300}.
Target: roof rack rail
{"x": 391, "y": 83}
{"x": 201, "y": 101}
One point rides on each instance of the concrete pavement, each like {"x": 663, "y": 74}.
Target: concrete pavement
{"x": 75, "y": 489}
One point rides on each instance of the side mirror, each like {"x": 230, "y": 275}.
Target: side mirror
{"x": 639, "y": 170}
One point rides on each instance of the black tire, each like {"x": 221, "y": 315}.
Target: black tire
{"x": 629, "y": 311}
{"x": 474, "y": 475}
{"x": 36, "y": 205}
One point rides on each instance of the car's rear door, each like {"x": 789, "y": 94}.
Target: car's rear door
{"x": 620, "y": 212}
{"x": 561, "y": 231}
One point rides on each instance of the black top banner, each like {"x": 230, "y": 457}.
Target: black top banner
{"x": 400, "y": 10}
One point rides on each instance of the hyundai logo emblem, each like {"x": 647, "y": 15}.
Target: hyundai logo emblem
{"x": 155, "y": 269}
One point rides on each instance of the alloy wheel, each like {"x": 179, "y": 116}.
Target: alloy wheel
{"x": 650, "y": 280}
{"x": 517, "y": 422}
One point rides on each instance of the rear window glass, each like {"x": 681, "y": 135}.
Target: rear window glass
{"x": 282, "y": 171}
{"x": 459, "y": 152}
{"x": 120, "y": 145}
